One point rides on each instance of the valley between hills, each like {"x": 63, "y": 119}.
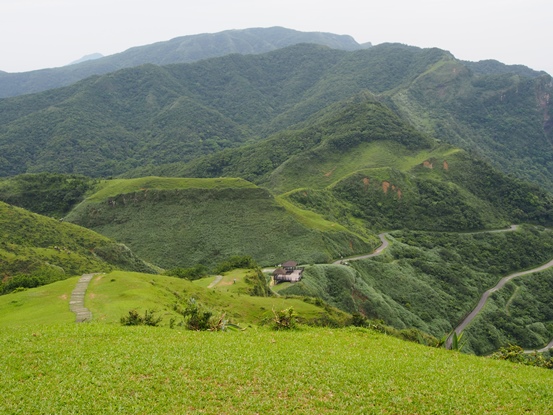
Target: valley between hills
{"x": 392, "y": 174}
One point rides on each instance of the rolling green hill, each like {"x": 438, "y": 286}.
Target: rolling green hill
{"x": 361, "y": 162}
{"x": 134, "y": 369}
{"x": 182, "y": 222}
{"x": 36, "y": 250}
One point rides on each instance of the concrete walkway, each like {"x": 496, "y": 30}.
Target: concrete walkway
{"x": 76, "y": 303}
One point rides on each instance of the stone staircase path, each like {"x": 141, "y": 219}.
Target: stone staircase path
{"x": 76, "y": 303}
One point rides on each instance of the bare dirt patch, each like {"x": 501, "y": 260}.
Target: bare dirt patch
{"x": 329, "y": 173}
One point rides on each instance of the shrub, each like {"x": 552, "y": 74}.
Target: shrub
{"x": 284, "y": 319}
{"x": 235, "y": 262}
{"x": 135, "y": 319}
{"x": 198, "y": 318}
{"x": 194, "y": 273}
{"x": 516, "y": 354}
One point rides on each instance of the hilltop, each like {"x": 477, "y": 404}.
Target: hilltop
{"x": 182, "y": 222}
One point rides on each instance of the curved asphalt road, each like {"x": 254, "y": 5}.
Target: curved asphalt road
{"x": 468, "y": 319}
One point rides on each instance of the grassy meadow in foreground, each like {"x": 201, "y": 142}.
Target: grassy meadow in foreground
{"x": 98, "y": 368}
{"x": 52, "y": 365}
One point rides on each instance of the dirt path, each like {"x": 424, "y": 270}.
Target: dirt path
{"x": 216, "y": 281}
{"x": 468, "y": 319}
{"x": 76, "y": 303}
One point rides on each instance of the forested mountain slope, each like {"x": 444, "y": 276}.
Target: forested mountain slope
{"x": 151, "y": 115}
{"x": 179, "y": 50}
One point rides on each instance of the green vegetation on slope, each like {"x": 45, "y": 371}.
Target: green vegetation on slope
{"x": 48, "y": 304}
{"x": 107, "y": 368}
{"x": 116, "y": 187}
{"x": 448, "y": 191}
{"x": 430, "y": 280}
{"x": 36, "y": 250}
{"x": 150, "y": 115}
{"x": 47, "y": 194}
{"x": 179, "y": 50}
{"x": 520, "y": 313}
{"x": 206, "y": 221}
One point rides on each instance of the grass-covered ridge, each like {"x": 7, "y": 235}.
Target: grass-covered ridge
{"x": 116, "y": 187}
{"x": 192, "y": 221}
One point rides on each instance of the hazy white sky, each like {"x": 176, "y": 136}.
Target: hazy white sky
{"x": 47, "y": 33}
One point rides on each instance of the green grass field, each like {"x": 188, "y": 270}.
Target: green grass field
{"x": 98, "y": 368}
{"x": 52, "y": 365}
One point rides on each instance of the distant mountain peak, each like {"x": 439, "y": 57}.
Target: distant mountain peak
{"x": 85, "y": 58}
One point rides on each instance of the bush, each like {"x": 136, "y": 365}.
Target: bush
{"x": 516, "y": 354}
{"x": 285, "y": 319}
{"x": 194, "y": 273}
{"x": 135, "y": 319}
{"x": 198, "y": 318}
{"x": 235, "y": 262}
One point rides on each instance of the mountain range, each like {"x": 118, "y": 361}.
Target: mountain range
{"x": 179, "y": 50}
{"x": 303, "y": 146}
{"x": 154, "y": 115}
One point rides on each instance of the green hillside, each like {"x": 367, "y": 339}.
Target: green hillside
{"x": 48, "y": 194}
{"x": 182, "y": 222}
{"x": 314, "y": 370}
{"x": 110, "y": 296}
{"x": 144, "y": 369}
{"x": 149, "y": 115}
{"x": 517, "y": 314}
{"x": 360, "y": 163}
{"x": 36, "y": 250}
{"x": 432, "y": 280}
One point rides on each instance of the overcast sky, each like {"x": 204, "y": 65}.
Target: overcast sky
{"x": 48, "y": 33}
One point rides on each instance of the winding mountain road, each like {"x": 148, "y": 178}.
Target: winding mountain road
{"x": 468, "y": 319}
